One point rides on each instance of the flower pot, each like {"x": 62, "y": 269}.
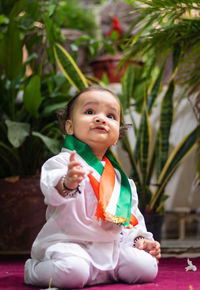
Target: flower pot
{"x": 154, "y": 224}
{"x": 22, "y": 214}
{"x": 108, "y": 65}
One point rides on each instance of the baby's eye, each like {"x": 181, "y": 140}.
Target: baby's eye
{"x": 89, "y": 112}
{"x": 111, "y": 116}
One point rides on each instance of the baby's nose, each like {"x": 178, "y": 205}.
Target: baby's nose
{"x": 99, "y": 119}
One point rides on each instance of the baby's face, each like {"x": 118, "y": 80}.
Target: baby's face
{"x": 95, "y": 119}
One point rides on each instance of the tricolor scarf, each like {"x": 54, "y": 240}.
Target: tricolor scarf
{"x": 109, "y": 182}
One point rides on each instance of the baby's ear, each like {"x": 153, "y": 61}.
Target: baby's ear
{"x": 69, "y": 127}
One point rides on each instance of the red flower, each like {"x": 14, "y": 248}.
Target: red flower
{"x": 116, "y": 28}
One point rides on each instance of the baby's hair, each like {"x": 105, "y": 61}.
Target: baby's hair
{"x": 65, "y": 114}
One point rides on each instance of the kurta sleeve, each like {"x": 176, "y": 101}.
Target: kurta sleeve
{"x": 128, "y": 235}
{"x": 52, "y": 170}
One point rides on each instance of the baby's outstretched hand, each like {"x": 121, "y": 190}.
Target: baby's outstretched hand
{"x": 75, "y": 173}
{"x": 152, "y": 247}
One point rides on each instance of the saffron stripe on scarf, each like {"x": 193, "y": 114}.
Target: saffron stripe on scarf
{"x": 107, "y": 182}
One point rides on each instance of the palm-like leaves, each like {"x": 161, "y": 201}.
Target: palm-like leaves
{"x": 147, "y": 156}
{"x": 162, "y": 27}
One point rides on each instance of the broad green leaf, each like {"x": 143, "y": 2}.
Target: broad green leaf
{"x": 50, "y": 109}
{"x": 145, "y": 145}
{"x": 142, "y": 125}
{"x": 166, "y": 118}
{"x": 104, "y": 79}
{"x": 3, "y": 19}
{"x": 139, "y": 135}
{"x": 150, "y": 102}
{"x": 11, "y": 51}
{"x": 51, "y": 34}
{"x": 52, "y": 144}
{"x": 32, "y": 96}
{"x": 17, "y": 132}
{"x": 176, "y": 55}
{"x": 127, "y": 87}
{"x": 134, "y": 173}
{"x": 51, "y": 8}
{"x": 70, "y": 68}
{"x": 154, "y": 91}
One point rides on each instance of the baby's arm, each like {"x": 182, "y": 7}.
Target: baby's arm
{"x": 74, "y": 176}
{"x": 152, "y": 247}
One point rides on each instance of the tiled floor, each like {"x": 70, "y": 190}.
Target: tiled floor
{"x": 189, "y": 247}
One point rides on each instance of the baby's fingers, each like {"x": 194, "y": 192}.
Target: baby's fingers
{"x": 72, "y": 156}
{"x": 155, "y": 253}
{"x": 141, "y": 244}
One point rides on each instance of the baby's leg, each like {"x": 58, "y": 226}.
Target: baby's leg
{"x": 136, "y": 266}
{"x": 70, "y": 272}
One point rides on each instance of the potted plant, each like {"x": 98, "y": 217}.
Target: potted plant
{"x": 107, "y": 46}
{"x": 151, "y": 161}
{"x": 28, "y": 128}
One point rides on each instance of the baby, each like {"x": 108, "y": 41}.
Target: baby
{"x": 94, "y": 231}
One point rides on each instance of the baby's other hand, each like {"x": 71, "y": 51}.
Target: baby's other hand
{"x": 152, "y": 247}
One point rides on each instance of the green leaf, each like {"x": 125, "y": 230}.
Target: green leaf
{"x": 176, "y": 55}
{"x": 51, "y": 109}
{"x": 114, "y": 35}
{"x": 128, "y": 87}
{"x": 150, "y": 102}
{"x": 52, "y": 145}
{"x": 134, "y": 174}
{"x": 3, "y": 19}
{"x": 11, "y": 51}
{"x": 17, "y": 132}
{"x": 166, "y": 117}
{"x": 52, "y": 8}
{"x": 70, "y": 68}
{"x": 52, "y": 34}
{"x": 154, "y": 91}
{"x": 105, "y": 79}
{"x": 145, "y": 145}
{"x": 144, "y": 126}
{"x": 32, "y": 96}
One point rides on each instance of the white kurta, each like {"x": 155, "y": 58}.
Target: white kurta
{"x": 71, "y": 222}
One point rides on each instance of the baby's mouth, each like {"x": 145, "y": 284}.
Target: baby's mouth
{"x": 100, "y": 128}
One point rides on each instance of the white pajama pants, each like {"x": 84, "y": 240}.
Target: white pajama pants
{"x": 134, "y": 266}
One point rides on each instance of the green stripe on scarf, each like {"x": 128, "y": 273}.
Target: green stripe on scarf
{"x": 125, "y": 197}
